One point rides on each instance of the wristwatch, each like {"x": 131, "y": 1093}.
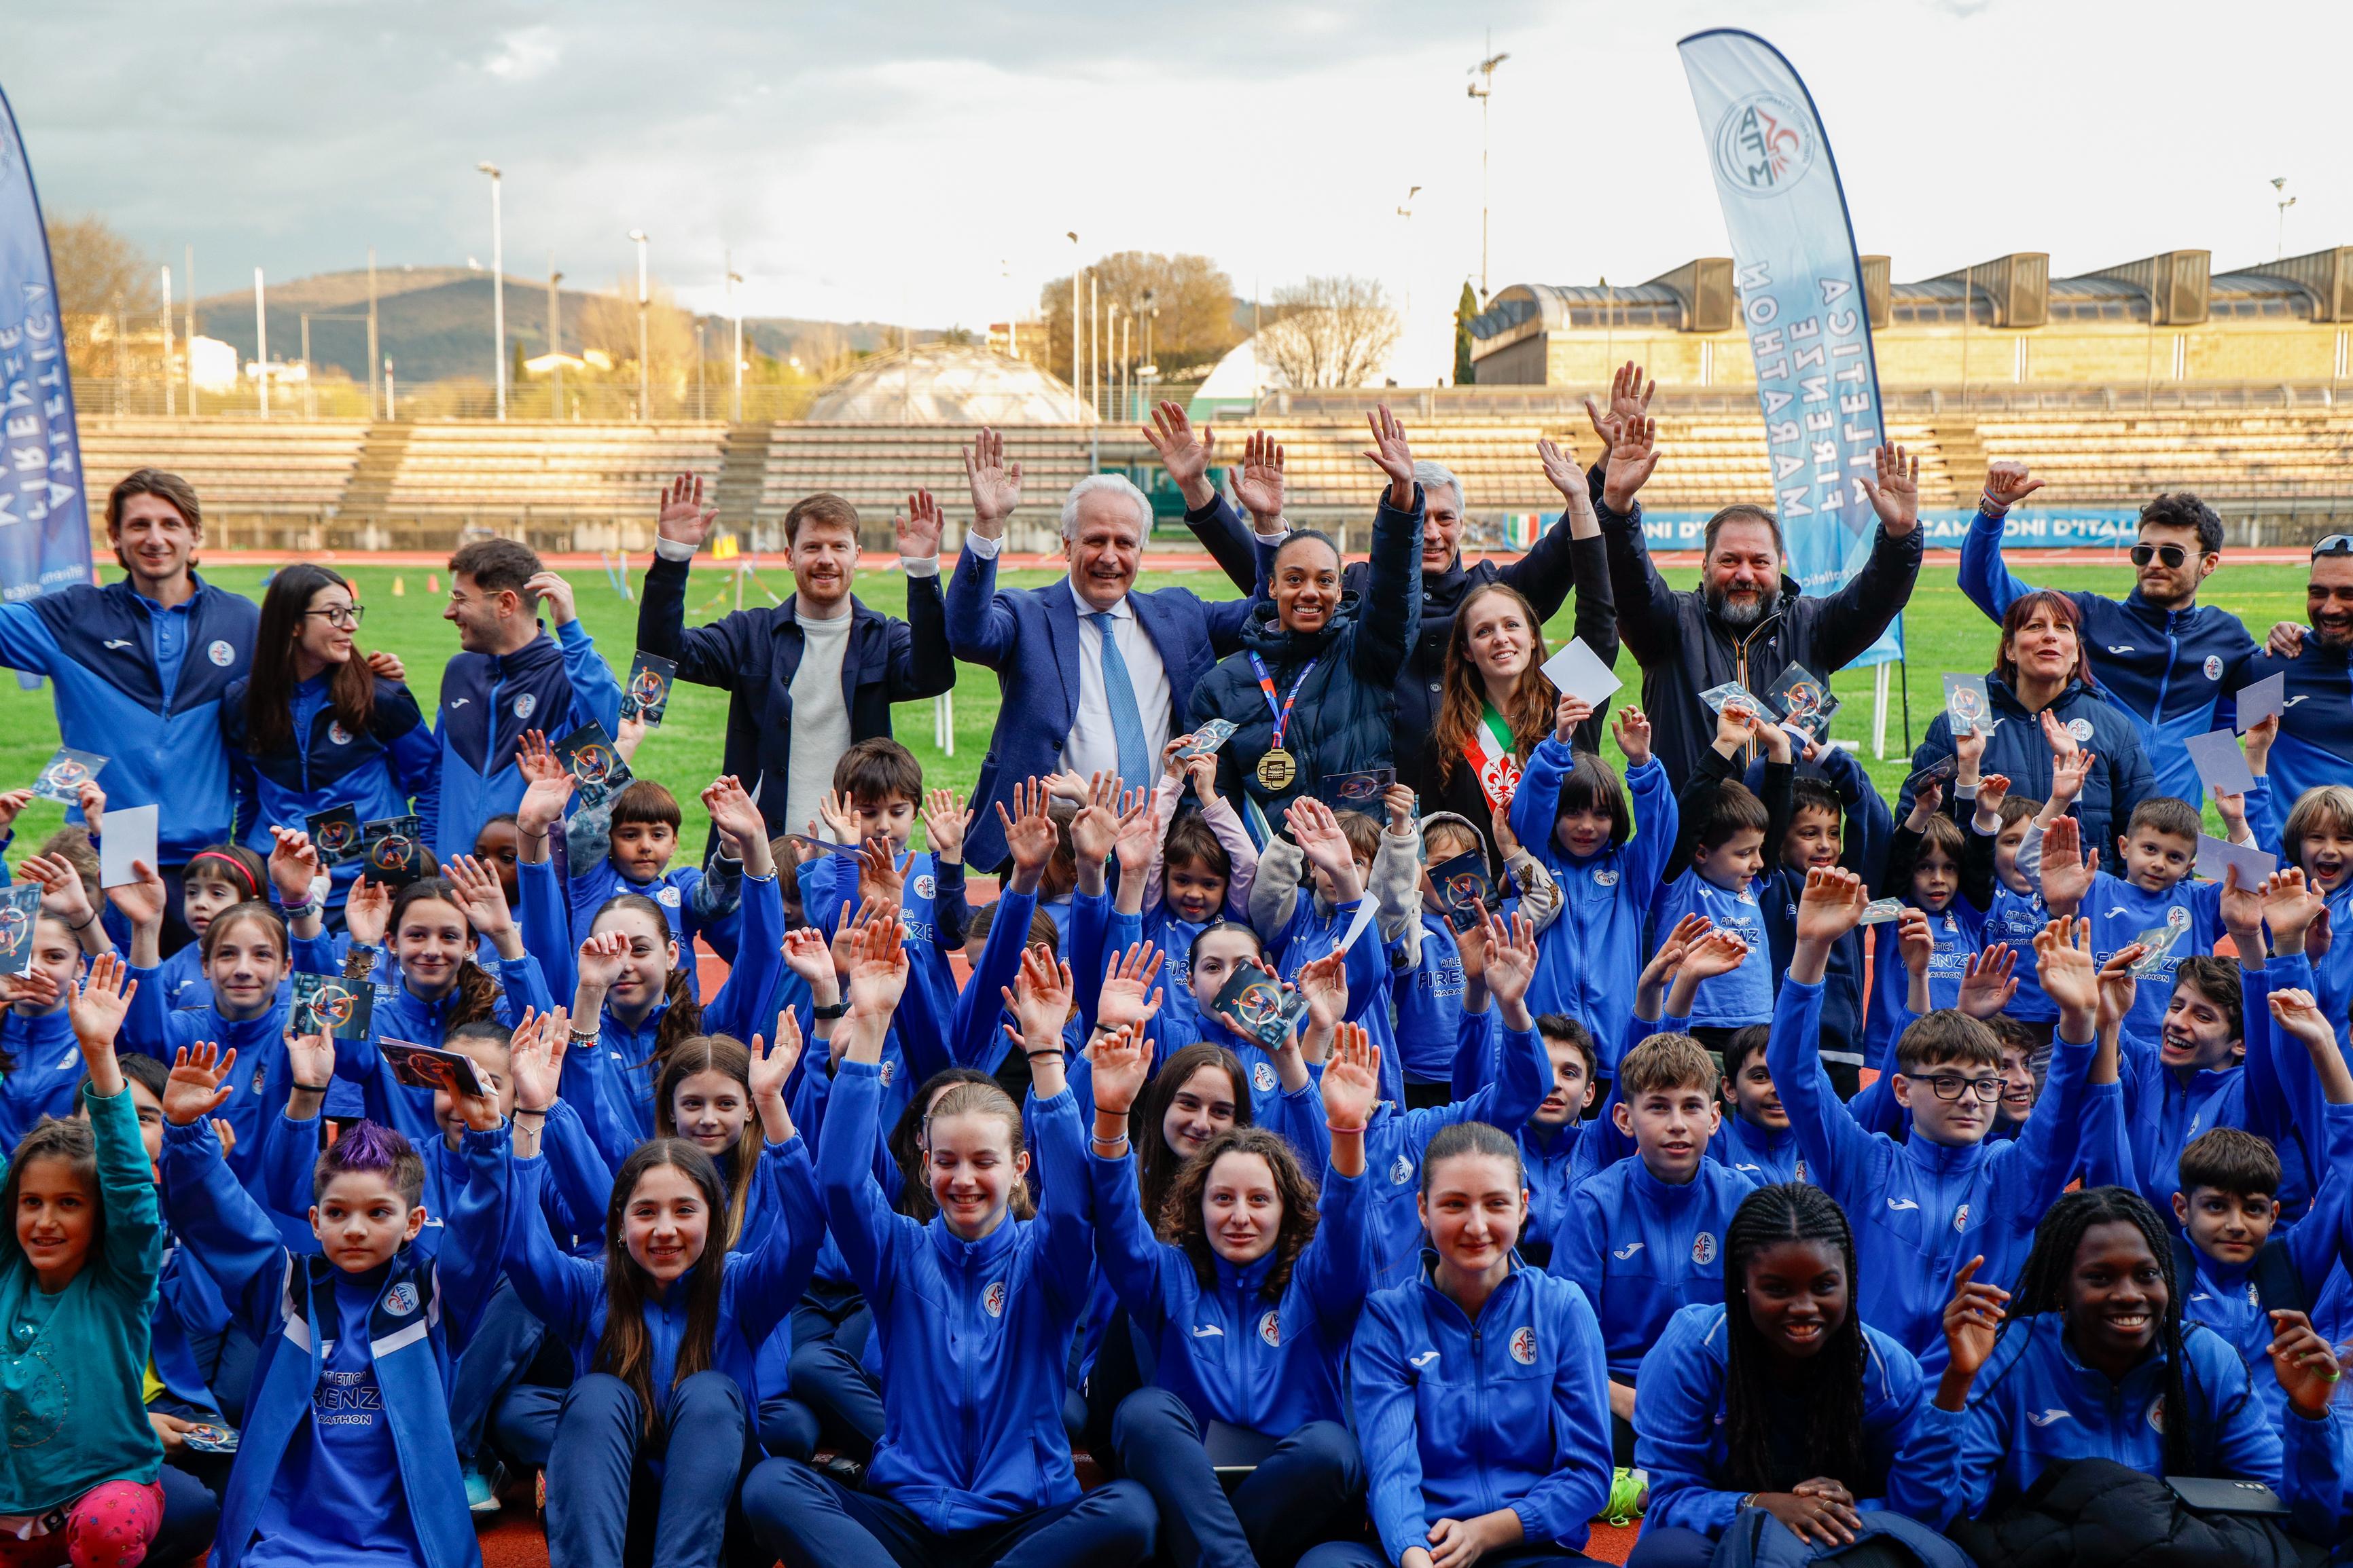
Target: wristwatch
{"x": 822, "y": 1014}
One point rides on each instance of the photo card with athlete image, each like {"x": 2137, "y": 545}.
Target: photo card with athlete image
{"x": 594, "y": 763}
{"x": 1968, "y": 705}
{"x": 20, "y": 908}
{"x": 336, "y": 834}
{"x": 331, "y": 1005}
{"x": 428, "y": 1067}
{"x": 1206, "y": 740}
{"x": 62, "y": 776}
{"x": 1258, "y": 1006}
{"x": 391, "y": 850}
{"x": 1358, "y": 791}
{"x": 648, "y": 692}
{"x": 1803, "y": 701}
{"x": 1465, "y": 888}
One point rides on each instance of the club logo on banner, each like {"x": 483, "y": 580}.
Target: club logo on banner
{"x": 44, "y": 522}
{"x": 1799, "y": 285}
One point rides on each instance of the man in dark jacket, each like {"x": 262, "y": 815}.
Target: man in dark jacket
{"x": 1746, "y": 621}
{"x": 785, "y": 732}
{"x": 1544, "y": 575}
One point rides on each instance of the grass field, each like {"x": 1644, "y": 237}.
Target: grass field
{"x": 1944, "y": 632}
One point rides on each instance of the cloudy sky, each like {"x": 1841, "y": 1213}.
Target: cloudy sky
{"x": 923, "y": 161}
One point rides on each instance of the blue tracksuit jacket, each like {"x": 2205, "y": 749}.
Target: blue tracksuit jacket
{"x": 552, "y": 684}
{"x": 2120, "y": 776}
{"x": 48, "y": 1070}
{"x": 1955, "y": 931}
{"x": 380, "y": 771}
{"x": 1642, "y": 1249}
{"x": 1865, "y": 836}
{"x": 1921, "y": 1210}
{"x": 142, "y": 686}
{"x": 1763, "y": 1157}
{"x": 1680, "y": 1421}
{"x": 975, "y": 1334}
{"x": 1226, "y": 1350}
{"x": 1588, "y": 955}
{"x": 1459, "y": 1419}
{"x": 1429, "y": 1004}
{"x": 2170, "y": 669}
{"x": 1745, "y": 995}
{"x": 2119, "y": 912}
{"x": 2034, "y": 1403}
{"x": 2316, "y": 738}
{"x": 1395, "y": 1141}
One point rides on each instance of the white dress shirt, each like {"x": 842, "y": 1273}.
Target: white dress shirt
{"x": 1092, "y": 748}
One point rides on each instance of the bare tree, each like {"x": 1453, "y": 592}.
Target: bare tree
{"x": 1191, "y": 303}
{"x": 100, "y": 272}
{"x": 1329, "y": 331}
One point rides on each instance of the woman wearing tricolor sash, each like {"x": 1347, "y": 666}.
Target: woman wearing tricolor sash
{"x": 1496, "y": 704}
{"x": 1309, "y": 694}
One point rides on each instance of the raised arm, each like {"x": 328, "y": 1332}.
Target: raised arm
{"x": 1391, "y": 618}
{"x": 1839, "y": 1151}
{"x": 1854, "y": 617}
{"x": 1985, "y": 576}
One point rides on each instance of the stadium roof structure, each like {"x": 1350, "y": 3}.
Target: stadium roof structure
{"x": 947, "y": 383}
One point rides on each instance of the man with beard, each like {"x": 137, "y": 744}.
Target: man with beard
{"x": 1746, "y": 621}
{"x": 2156, "y": 653}
{"x": 1555, "y": 564}
{"x": 2316, "y": 738}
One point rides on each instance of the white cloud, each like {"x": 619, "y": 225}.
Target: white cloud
{"x": 525, "y": 55}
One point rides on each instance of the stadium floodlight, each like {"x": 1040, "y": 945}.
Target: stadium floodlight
{"x": 1482, "y": 90}
{"x": 2279, "y": 240}
{"x": 497, "y": 287}
{"x": 645, "y": 372}
{"x": 735, "y": 301}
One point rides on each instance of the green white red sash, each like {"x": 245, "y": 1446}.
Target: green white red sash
{"x": 1490, "y": 751}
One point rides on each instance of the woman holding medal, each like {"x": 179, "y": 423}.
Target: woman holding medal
{"x": 317, "y": 724}
{"x": 1496, "y": 703}
{"x": 1310, "y": 692}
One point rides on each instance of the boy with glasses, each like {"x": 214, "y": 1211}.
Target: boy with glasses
{"x": 2156, "y": 653}
{"x": 1923, "y": 1208}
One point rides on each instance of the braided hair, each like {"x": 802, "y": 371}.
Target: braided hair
{"x": 1833, "y": 1394}
{"x": 2044, "y": 1288}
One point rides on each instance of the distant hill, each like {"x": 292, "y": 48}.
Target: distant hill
{"x": 434, "y": 322}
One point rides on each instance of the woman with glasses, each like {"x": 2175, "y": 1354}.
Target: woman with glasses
{"x": 313, "y": 727}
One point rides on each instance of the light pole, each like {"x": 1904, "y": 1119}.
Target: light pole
{"x": 554, "y": 341}
{"x": 2279, "y": 244}
{"x": 735, "y": 307}
{"x": 1405, "y": 211}
{"x": 645, "y": 371}
{"x": 1076, "y": 383}
{"x": 497, "y": 285}
{"x": 1151, "y": 320}
{"x": 261, "y": 340}
{"x": 1485, "y": 70}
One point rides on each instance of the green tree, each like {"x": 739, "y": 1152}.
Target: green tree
{"x": 1465, "y": 372}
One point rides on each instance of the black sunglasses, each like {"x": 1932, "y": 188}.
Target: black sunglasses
{"x": 2173, "y": 556}
{"x": 2334, "y": 544}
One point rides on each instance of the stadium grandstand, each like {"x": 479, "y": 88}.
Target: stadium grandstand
{"x": 2152, "y": 375}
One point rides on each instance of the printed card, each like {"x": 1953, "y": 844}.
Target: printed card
{"x": 1577, "y": 672}
{"x": 20, "y": 906}
{"x": 336, "y": 834}
{"x": 2259, "y": 700}
{"x": 1357, "y": 791}
{"x": 1206, "y": 740}
{"x": 595, "y": 762}
{"x": 1965, "y": 701}
{"x": 1879, "y": 912}
{"x": 2216, "y": 855}
{"x": 1943, "y": 771}
{"x": 62, "y": 778}
{"x": 1463, "y": 886}
{"x": 331, "y": 1005}
{"x": 391, "y": 850}
{"x": 424, "y": 1066}
{"x": 648, "y": 692}
{"x": 1731, "y": 694}
{"x": 1803, "y": 701}
{"x": 129, "y": 840}
{"x": 1258, "y": 1006}
{"x": 2159, "y": 941}
{"x": 2222, "y": 767}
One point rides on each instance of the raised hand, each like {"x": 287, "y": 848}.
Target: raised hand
{"x": 2300, "y": 1015}
{"x": 1915, "y": 940}
{"x": 14, "y": 801}
{"x": 1039, "y": 1000}
{"x": 683, "y": 519}
{"x": 311, "y": 1060}
{"x": 535, "y": 1058}
{"x": 1352, "y": 1080}
{"x": 1674, "y": 949}
{"x": 849, "y": 935}
{"x": 1315, "y": 828}
{"x": 598, "y": 962}
{"x": 91, "y": 797}
{"x": 482, "y": 895}
{"x": 2067, "y": 873}
{"x": 555, "y": 593}
{"x": 1393, "y": 455}
{"x": 1128, "y": 994}
{"x": 1123, "y": 1063}
{"x": 1968, "y": 751}
{"x": 547, "y": 787}
{"x": 2242, "y": 909}
{"x": 1139, "y": 838}
{"x": 96, "y": 1008}
{"x": 293, "y": 865}
{"x": 1185, "y": 455}
{"x": 199, "y": 1083}
{"x": 1831, "y": 905}
{"x": 367, "y": 910}
{"x": 2118, "y": 987}
{"x": 1895, "y": 496}
{"x": 1398, "y": 803}
{"x": 1511, "y": 962}
{"x": 1094, "y": 832}
{"x": 881, "y": 876}
{"x": 2304, "y": 1363}
{"x": 1717, "y": 952}
{"x": 1633, "y": 455}
{"x": 2007, "y": 483}
{"x": 2290, "y": 907}
{"x": 1561, "y": 469}
{"x": 629, "y": 737}
{"x": 995, "y": 484}
{"x": 918, "y": 528}
{"x": 807, "y": 955}
{"x": 839, "y": 816}
{"x": 737, "y": 817}
{"x": 1568, "y": 714}
{"x": 1030, "y": 834}
{"x": 945, "y": 819}
{"x": 62, "y": 892}
{"x": 1972, "y": 1321}
{"x": 1324, "y": 983}
{"x": 1988, "y": 982}
{"x": 877, "y": 976}
{"x": 1258, "y": 483}
{"x": 772, "y": 1065}
{"x": 1632, "y": 730}
{"x": 1630, "y": 398}
{"x": 1991, "y": 788}
{"x": 2064, "y": 967}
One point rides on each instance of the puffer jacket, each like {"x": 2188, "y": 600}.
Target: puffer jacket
{"x": 2121, "y": 775}
{"x": 1345, "y": 720}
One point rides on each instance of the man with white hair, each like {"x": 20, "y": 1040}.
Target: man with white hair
{"x": 1544, "y": 576}
{"x": 1093, "y": 674}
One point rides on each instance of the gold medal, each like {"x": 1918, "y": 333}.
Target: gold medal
{"x": 1277, "y": 768}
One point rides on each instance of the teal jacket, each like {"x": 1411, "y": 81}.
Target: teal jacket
{"x": 72, "y": 1366}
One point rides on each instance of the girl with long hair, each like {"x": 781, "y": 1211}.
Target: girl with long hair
{"x": 1481, "y": 1385}
{"x": 1198, "y": 1094}
{"x": 1248, "y": 1304}
{"x": 976, "y": 1311}
{"x": 215, "y": 878}
{"x": 665, "y": 1332}
{"x": 632, "y": 983}
{"x": 311, "y": 725}
{"x": 704, "y": 1096}
{"x": 1778, "y": 1410}
{"x": 2092, "y": 1358}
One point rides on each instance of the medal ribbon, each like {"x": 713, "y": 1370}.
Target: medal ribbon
{"x": 1282, "y": 710}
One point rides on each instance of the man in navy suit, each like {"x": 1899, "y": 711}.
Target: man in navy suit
{"x": 815, "y": 675}
{"x": 1094, "y": 677}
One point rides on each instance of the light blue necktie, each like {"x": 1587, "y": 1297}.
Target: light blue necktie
{"x": 1127, "y": 717}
